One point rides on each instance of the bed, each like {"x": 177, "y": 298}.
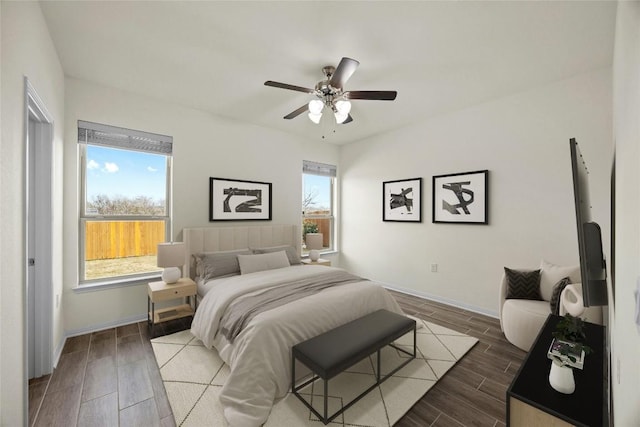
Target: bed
{"x": 253, "y": 319}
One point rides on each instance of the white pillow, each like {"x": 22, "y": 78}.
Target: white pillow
{"x": 550, "y": 274}
{"x": 261, "y": 262}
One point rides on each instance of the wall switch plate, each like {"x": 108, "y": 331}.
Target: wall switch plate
{"x": 434, "y": 268}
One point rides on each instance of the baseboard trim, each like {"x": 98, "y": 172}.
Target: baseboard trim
{"x": 58, "y": 352}
{"x": 138, "y": 318}
{"x": 94, "y": 328}
{"x": 442, "y": 300}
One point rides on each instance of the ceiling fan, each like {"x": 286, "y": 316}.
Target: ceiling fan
{"x": 330, "y": 93}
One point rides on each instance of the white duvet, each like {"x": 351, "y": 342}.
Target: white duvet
{"x": 260, "y": 356}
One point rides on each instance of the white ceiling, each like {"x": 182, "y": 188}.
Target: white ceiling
{"x": 439, "y": 56}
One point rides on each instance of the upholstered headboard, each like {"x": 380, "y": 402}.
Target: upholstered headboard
{"x": 210, "y": 239}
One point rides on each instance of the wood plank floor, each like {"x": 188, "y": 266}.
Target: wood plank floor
{"x": 111, "y": 378}
{"x": 107, "y": 378}
{"x": 473, "y": 392}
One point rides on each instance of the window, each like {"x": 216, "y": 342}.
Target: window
{"x": 125, "y": 202}
{"x": 318, "y": 214}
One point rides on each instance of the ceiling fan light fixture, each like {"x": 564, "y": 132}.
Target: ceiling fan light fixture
{"x": 315, "y": 118}
{"x": 315, "y": 107}
{"x": 331, "y": 93}
{"x": 341, "y": 117}
{"x": 343, "y": 107}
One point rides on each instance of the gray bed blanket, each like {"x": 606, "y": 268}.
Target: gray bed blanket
{"x": 244, "y": 308}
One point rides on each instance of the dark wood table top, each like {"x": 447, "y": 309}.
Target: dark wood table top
{"x": 586, "y": 405}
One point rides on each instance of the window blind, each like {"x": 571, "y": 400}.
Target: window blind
{"x": 128, "y": 139}
{"x": 315, "y": 168}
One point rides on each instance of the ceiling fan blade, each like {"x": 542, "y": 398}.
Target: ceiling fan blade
{"x": 346, "y": 68}
{"x": 379, "y": 95}
{"x": 288, "y": 86}
{"x": 297, "y": 112}
{"x": 349, "y": 119}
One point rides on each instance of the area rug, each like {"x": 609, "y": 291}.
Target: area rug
{"x": 187, "y": 369}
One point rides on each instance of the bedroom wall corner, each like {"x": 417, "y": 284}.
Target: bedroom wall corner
{"x": 523, "y": 140}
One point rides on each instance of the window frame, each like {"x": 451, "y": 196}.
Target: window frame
{"x": 84, "y": 217}
{"x": 332, "y": 175}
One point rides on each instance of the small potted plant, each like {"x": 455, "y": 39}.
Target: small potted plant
{"x": 567, "y": 351}
{"x": 308, "y": 227}
{"x": 571, "y": 338}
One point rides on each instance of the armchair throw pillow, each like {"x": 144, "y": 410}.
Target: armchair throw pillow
{"x": 523, "y": 284}
{"x": 551, "y": 273}
{"x": 554, "y": 302}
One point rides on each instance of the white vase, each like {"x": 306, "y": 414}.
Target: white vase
{"x": 561, "y": 378}
{"x": 171, "y": 275}
{"x": 314, "y": 255}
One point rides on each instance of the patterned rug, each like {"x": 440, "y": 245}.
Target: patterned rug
{"x": 193, "y": 377}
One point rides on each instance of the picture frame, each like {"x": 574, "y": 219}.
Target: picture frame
{"x": 402, "y": 200}
{"x": 461, "y": 198}
{"x": 239, "y": 200}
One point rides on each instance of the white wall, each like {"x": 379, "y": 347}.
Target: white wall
{"x": 204, "y": 146}
{"x": 625, "y": 336}
{"x": 27, "y": 50}
{"x": 523, "y": 140}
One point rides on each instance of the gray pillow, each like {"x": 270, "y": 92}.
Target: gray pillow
{"x": 523, "y": 284}
{"x": 554, "y": 302}
{"x": 210, "y": 265}
{"x": 262, "y": 262}
{"x": 292, "y": 253}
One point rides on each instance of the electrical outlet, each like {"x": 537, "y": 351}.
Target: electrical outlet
{"x": 434, "y": 268}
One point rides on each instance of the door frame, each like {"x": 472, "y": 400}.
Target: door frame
{"x": 36, "y": 111}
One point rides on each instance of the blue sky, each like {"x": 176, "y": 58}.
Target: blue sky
{"x": 321, "y": 185}
{"x": 131, "y": 173}
{"x": 125, "y": 173}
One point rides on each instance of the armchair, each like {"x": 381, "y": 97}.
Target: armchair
{"x": 522, "y": 319}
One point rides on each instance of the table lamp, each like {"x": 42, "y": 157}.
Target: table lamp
{"x": 171, "y": 257}
{"x": 314, "y": 244}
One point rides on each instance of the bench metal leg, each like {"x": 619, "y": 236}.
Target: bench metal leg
{"x": 326, "y": 400}
{"x": 379, "y": 380}
{"x": 293, "y": 374}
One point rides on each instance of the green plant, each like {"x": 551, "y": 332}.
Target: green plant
{"x": 571, "y": 330}
{"x": 309, "y": 227}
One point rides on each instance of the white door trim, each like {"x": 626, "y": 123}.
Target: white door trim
{"x": 35, "y": 108}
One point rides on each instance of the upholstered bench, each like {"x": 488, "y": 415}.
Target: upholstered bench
{"x": 332, "y": 352}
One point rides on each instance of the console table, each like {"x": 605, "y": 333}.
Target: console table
{"x": 532, "y": 402}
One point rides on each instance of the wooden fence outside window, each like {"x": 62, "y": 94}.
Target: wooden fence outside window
{"x": 121, "y": 239}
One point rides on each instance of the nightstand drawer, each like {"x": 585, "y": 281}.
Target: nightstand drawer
{"x": 169, "y": 293}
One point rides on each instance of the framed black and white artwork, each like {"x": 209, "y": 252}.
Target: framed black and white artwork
{"x": 461, "y": 198}
{"x": 238, "y": 200}
{"x": 402, "y": 200}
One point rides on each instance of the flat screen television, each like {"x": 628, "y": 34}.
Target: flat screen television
{"x": 592, "y": 263}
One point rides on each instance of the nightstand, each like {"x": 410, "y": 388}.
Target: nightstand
{"x": 161, "y": 291}
{"x": 320, "y": 261}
